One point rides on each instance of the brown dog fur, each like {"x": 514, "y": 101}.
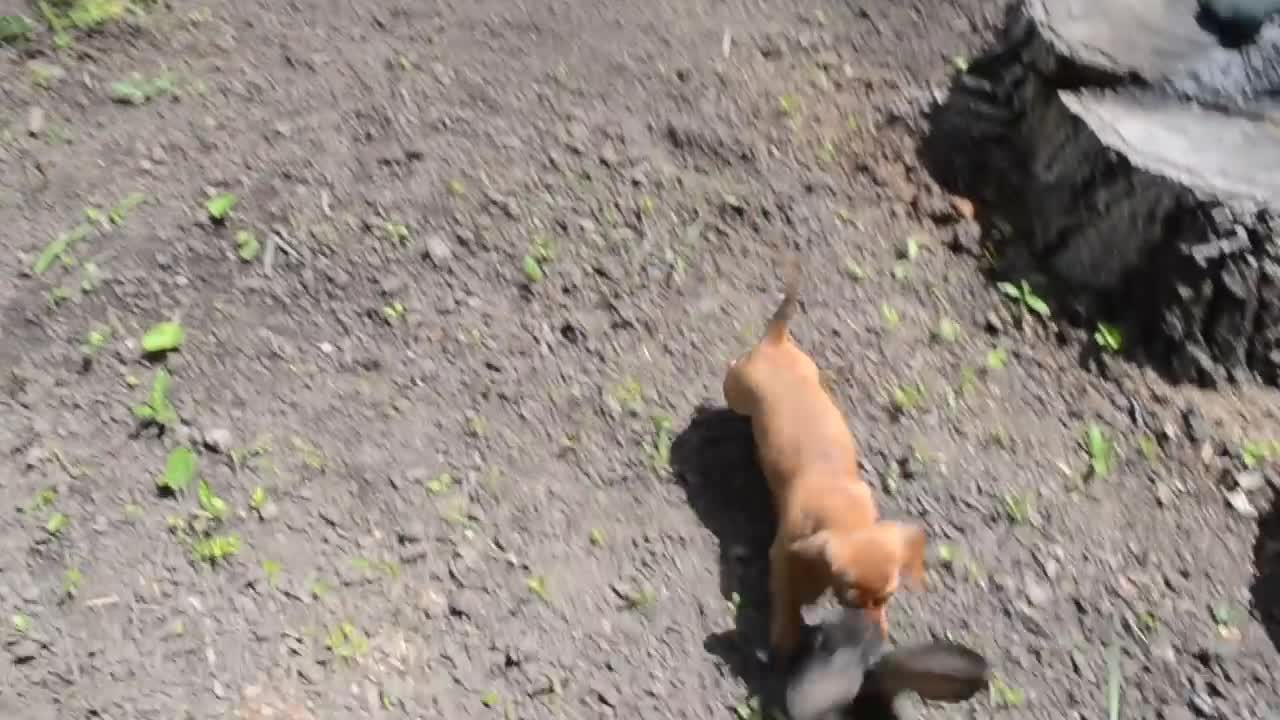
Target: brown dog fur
{"x": 829, "y": 531}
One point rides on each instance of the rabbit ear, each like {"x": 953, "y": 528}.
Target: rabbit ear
{"x": 939, "y": 671}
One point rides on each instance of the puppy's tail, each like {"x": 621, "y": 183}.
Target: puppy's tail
{"x": 776, "y": 331}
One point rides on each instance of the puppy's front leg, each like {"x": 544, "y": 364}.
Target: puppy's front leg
{"x": 785, "y": 619}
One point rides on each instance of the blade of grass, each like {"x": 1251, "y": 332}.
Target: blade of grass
{"x": 1113, "y": 682}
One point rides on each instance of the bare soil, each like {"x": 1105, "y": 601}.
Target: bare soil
{"x": 505, "y": 251}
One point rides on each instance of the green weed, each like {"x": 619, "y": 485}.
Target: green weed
{"x": 1107, "y": 337}
{"x": 1026, "y": 298}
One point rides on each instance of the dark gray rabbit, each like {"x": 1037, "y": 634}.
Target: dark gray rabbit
{"x": 847, "y": 672}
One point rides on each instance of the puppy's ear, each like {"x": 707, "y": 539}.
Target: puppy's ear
{"x": 913, "y": 539}
{"x": 813, "y": 547}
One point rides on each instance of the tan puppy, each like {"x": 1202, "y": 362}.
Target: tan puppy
{"x": 829, "y": 531}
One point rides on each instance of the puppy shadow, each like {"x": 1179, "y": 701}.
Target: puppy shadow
{"x": 714, "y": 459}
{"x": 1266, "y": 585}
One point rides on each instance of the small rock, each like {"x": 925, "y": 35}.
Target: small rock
{"x": 1175, "y": 712}
{"x": 465, "y": 604}
{"x": 1251, "y": 481}
{"x": 34, "y": 457}
{"x": 993, "y": 323}
{"x": 586, "y": 226}
{"x": 1197, "y": 427}
{"x": 1215, "y": 653}
{"x": 611, "y": 406}
{"x": 35, "y": 121}
{"x": 1201, "y": 705}
{"x": 187, "y": 435}
{"x": 608, "y": 157}
{"x": 23, "y": 650}
{"x": 911, "y": 466}
{"x": 46, "y": 73}
{"x": 966, "y": 238}
{"x": 411, "y": 534}
{"x": 392, "y": 286}
{"x": 1038, "y": 593}
{"x": 432, "y": 604}
{"x": 606, "y": 696}
{"x": 1164, "y": 495}
{"x": 1162, "y": 650}
{"x": 1240, "y": 503}
{"x": 1136, "y": 414}
{"x": 435, "y": 247}
{"x": 269, "y": 512}
{"x": 1050, "y": 567}
{"x": 218, "y": 440}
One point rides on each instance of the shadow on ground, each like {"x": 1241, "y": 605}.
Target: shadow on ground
{"x": 714, "y": 459}
{"x": 1266, "y": 584}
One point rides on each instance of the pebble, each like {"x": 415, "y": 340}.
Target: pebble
{"x": 606, "y": 696}
{"x": 23, "y": 650}
{"x": 48, "y": 73}
{"x": 610, "y": 404}
{"x": 218, "y": 440}
{"x": 1251, "y": 481}
{"x": 34, "y": 456}
{"x": 1162, "y": 650}
{"x": 1175, "y": 712}
{"x": 434, "y": 246}
{"x": 1240, "y": 503}
{"x": 466, "y": 604}
{"x": 1197, "y": 427}
{"x": 186, "y": 435}
{"x": 411, "y": 534}
{"x": 35, "y": 121}
{"x": 1201, "y": 705}
{"x": 432, "y": 604}
{"x": 1038, "y": 593}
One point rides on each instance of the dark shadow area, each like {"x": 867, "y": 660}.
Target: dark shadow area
{"x": 1266, "y": 561}
{"x": 1234, "y": 24}
{"x": 714, "y": 459}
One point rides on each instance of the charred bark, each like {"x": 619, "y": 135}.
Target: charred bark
{"x": 1133, "y": 162}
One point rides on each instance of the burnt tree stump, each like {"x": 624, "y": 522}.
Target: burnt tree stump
{"x": 1125, "y": 158}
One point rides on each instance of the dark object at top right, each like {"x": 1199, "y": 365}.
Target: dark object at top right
{"x": 1235, "y": 22}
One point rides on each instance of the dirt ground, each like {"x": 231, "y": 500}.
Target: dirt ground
{"x": 444, "y": 402}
